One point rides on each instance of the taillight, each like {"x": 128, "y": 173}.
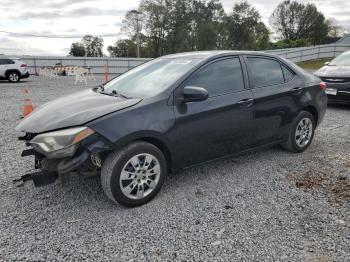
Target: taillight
{"x": 23, "y": 65}
{"x": 323, "y": 85}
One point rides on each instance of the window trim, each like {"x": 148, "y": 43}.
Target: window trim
{"x": 246, "y": 57}
{"x": 213, "y": 61}
{"x": 293, "y": 73}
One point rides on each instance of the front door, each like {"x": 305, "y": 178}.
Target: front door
{"x": 223, "y": 123}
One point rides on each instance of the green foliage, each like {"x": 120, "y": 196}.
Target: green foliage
{"x": 89, "y": 45}
{"x": 123, "y": 48}
{"x": 192, "y": 25}
{"x": 77, "y": 49}
{"x": 314, "y": 64}
{"x": 245, "y": 29}
{"x": 160, "y": 27}
{"x": 293, "y": 20}
{"x": 281, "y": 44}
{"x": 93, "y": 45}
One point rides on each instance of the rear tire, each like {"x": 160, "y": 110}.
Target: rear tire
{"x": 13, "y": 77}
{"x": 301, "y": 133}
{"x": 133, "y": 175}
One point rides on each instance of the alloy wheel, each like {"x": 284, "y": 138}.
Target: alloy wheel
{"x": 13, "y": 77}
{"x": 140, "y": 176}
{"x": 303, "y": 132}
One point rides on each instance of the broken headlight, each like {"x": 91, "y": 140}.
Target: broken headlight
{"x": 60, "y": 143}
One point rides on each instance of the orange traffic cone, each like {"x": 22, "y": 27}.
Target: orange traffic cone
{"x": 106, "y": 72}
{"x": 27, "y": 107}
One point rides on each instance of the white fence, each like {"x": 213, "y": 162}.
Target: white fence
{"x": 117, "y": 65}
{"x": 311, "y": 53}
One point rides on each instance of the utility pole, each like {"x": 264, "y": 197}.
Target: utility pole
{"x": 138, "y": 29}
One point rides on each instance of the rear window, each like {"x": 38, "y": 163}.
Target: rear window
{"x": 288, "y": 75}
{"x": 6, "y": 61}
{"x": 265, "y": 72}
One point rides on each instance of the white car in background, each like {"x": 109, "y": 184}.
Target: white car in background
{"x": 13, "y": 70}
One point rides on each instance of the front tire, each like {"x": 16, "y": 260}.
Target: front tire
{"x": 133, "y": 175}
{"x": 13, "y": 77}
{"x": 301, "y": 133}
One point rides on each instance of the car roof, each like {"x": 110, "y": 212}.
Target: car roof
{"x": 214, "y": 53}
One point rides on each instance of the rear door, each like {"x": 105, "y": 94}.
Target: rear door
{"x": 3, "y": 63}
{"x": 223, "y": 123}
{"x": 277, "y": 90}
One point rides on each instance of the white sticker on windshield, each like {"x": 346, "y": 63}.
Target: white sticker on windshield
{"x": 181, "y": 62}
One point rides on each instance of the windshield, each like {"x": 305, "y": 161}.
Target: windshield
{"x": 151, "y": 78}
{"x": 342, "y": 60}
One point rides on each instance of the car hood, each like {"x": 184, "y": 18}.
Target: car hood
{"x": 334, "y": 71}
{"x": 73, "y": 110}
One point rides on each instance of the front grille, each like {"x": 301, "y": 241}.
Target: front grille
{"x": 336, "y": 80}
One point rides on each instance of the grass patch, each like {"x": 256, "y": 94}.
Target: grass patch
{"x": 314, "y": 64}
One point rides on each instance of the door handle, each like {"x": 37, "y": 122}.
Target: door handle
{"x": 246, "y": 101}
{"x": 297, "y": 89}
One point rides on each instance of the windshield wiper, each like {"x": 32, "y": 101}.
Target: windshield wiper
{"x": 113, "y": 93}
{"x": 102, "y": 87}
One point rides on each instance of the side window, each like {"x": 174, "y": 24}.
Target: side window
{"x": 265, "y": 71}
{"x": 3, "y": 61}
{"x": 220, "y": 77}
{"x": 9, "y": 61}
{"x": 288, "y": 75}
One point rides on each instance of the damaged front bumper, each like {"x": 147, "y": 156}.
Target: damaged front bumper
{"x": 87, "y": 158}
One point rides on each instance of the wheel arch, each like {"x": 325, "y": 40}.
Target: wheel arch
{"x": 163, "y": 147}
{"x": 311, "y": 109}
{"x": 155, "y": 139}
{"x": 12, "y": 70}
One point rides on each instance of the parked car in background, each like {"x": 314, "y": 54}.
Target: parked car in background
{"x": 337, "y": 76}
{"x": 171, "y": 113}
{"x": 13, "y": 70}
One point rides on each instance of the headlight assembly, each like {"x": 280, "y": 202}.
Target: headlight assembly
{"x": 60, "y": 143}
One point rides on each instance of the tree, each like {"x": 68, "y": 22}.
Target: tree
{"x": 93, "y": 45}
{"x": 183, "y": 25}
{"x": 293, "y": 20}
{"x": 245, "y": 29}
{"x": 208, "y": 25}
{"x": 77, "y": 49}
{"x": 122, "y": 48}
{"x": 156, "y": 20}
{"x": 171, "y": 26}
{"x": 88, "y": 46}
{"x": 132, "y": 24}
{"x": 286, "y": 43}
{"x": 335, "y": 30}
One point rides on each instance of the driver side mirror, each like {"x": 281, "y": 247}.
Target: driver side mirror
{"x": 193, "y": 94}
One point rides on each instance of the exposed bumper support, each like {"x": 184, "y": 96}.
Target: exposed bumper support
{"x": 69, "y": 164}
{"x": 51, "y": 171}
{"x": 86, "y": 157}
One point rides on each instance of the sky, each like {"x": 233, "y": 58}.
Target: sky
{"x": 74, "y": 18}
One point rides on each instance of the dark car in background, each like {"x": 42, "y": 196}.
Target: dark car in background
{"x": 336, "y": 74}
{"x": 172, "y": 113}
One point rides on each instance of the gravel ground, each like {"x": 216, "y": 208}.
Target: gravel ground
{"x": 268, "y": 205}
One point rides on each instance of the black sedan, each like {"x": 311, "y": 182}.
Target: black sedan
{"x": 337, "y": 76}
{"x": 171, "y": 113}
